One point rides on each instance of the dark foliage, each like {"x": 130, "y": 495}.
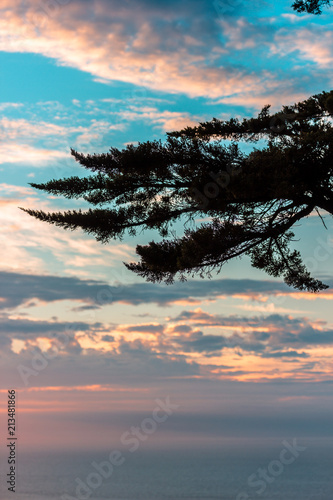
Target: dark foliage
{"x": 251, "y": 201}
{"x": 310, "y": 6}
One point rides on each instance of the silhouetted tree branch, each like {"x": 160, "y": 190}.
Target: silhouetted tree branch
{"x": 310, "y": 6}
{"x": 251, "y": 201}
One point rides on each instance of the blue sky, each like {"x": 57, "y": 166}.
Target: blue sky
{"x": 235, "y": 351}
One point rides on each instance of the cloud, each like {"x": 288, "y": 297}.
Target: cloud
{"x": 51, "y": 288}
{"x": 18, "y": 128}
{"x": 261, "y": 333}
{"x": 68, "y": 363}
{"x": 244, "y": 34}
{"x": 285, "y": 354}
{"x": 18, "y": 289}
{"x": 10, "y": 105}
{"x": 26, "y": 329}
{"x": 239, "y": 348}
{"x": 312, "y": 43}
{"x": 198, "y": 342}
{"x": 28, "y": 246}
{"x": 40, "y": 142}
{"x": 274, "y": 335}
{"x": 157, "y": 47}
{"x": 23, "y": 153}
{"x": 146, "y": 328}
{"x": 166, "y": 120}
{"x": 286, "y": 95}
{"x": 86, "y": 308}
{"x": 107, "y": 338}
{"x": 10, "y": 189}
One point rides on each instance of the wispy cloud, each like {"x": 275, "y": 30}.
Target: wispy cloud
{"x": 160, "y": 48}
{"x": 312, "y": 44}
{"x": 26, "y": 245}
{"x": 10, "y": 105}
{"x": 26, "y": 154}
{"x": 140, "y": 293}
{"x": 165, "y": 120}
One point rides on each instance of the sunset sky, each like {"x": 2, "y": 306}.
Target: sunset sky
{"x": 89, "y": 345}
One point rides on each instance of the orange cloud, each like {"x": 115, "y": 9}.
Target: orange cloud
{"x": 21, "y": 235}
{"x": 23, "y": 153}
{"x": 109, "y": 52}
{"x": 313, "y": 44}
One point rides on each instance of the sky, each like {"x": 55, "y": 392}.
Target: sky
{"x": 89, "y": 346}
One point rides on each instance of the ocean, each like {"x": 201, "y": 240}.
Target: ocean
{"x": 263, "y": 473}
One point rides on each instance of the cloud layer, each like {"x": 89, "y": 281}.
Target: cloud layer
{"x": 161, "y": 47}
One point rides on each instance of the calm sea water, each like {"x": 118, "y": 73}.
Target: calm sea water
{"x": 174, "y": 475}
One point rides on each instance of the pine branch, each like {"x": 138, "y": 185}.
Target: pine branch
{"x": 254, "y": 199}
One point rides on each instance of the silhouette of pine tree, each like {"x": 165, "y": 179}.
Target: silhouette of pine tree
{"x": 251, "y": 200}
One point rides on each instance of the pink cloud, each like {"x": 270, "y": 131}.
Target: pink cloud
{"x": 122, "y": 46}
{"x": 23, "y": 153}
{"x": 21, "y": 235}
{"x": 313, "y": 44}
{"x": 12, "y": 129}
